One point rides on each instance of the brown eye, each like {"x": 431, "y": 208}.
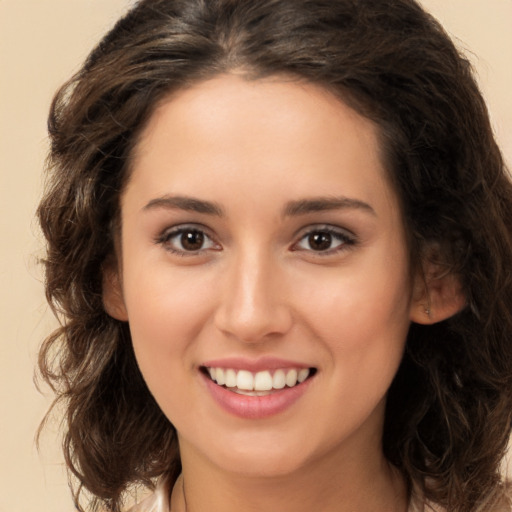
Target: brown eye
{"x": 192, "y": 240}
{"x": 320, "y": 241}
{"x": 186, "y": 241}
{"x": 325, "y": 240}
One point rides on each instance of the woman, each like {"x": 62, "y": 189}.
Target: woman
{"x": 279, "y": 238}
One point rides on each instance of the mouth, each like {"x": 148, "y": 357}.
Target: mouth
{"x": 261, "y": 383}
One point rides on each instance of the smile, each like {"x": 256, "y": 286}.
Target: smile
{"x": 259, "y": 383}
{"x": 269, "y": 389}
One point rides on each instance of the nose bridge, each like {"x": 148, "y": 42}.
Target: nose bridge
{"x": 253, "y": 305}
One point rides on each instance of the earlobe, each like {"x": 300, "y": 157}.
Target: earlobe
{"x": 436, "y": 296}
{"x": 113, "y": 300}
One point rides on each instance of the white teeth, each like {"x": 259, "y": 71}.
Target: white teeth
{"x": 244, "y": 380}
{"x": 219, "y": 377}
{"x": 303, "y": 375}
{"x": 230, "y": 377}
{"x": 259, "y": 383}
{"x": 249, "y": 393}
{"x": 291, "y": 378}
{"x": 263, "y": 381}
{"x": 279, "y": 380}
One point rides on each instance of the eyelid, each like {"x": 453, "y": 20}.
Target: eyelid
{"x": 165, "y": 236}
{"x": 349, "y": 239}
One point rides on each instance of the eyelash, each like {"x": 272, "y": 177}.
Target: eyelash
{"x": 345, "y": 240}
{"x": 166, "y": 237}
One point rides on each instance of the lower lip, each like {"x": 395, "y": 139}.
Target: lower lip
{"x": 256, "y": 407}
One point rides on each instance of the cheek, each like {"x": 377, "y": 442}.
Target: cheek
{"x": 167, "y": 311}
{"x": 157, "y": 295}
{"x": 357, "y": 307}
{"x": 166, "y": 315}
{"x": 363, "y": 328}
{"x": 362, "y": 316}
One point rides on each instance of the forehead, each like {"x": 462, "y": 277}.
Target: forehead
{"x": 269, "y": 135}
{"x": 266, "y": 105}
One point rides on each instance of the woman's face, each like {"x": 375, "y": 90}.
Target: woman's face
{"x": 262, "y": 244}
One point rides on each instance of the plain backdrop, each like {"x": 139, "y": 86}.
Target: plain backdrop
{"x": 42, "y": 42}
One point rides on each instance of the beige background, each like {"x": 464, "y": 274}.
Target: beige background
{"x": 41, "y": 43}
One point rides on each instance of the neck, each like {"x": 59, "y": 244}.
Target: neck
{"x": 366, "y": 485}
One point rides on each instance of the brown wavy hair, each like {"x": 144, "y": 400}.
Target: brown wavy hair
{"x": 449, "y": 408}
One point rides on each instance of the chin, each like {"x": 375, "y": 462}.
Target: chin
{"x": 259, "y": 456}
{"x": 261, "y": 466}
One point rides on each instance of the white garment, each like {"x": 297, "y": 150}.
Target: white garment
{"x": 157, "y": 502}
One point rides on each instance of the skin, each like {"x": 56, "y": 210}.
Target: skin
{"x": 257, "y": 287}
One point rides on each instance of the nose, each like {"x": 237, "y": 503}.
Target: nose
{"x": 254, "y": 305}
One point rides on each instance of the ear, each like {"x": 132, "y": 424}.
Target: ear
{"x": 113, "y": 300}
{"x": 437, "y": 293}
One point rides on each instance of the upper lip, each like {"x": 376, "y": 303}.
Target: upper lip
{"x": 254, "y": 365}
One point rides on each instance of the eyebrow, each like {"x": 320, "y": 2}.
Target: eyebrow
{"x": 185, "y": 203}
{"x": 292, "y": 208}
{"x": 320, "y": 204}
